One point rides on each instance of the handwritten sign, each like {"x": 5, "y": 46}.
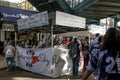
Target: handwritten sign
{"x": 37, "y": 20}
{"x": 52, "y": 62}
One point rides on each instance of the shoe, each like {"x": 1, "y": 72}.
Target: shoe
{"x": 75, "y": 76}
{"x": 8, "y": 70}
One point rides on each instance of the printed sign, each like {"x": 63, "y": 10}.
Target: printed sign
{"x": 70, "y": 20}
{"x": 8, "y": 27}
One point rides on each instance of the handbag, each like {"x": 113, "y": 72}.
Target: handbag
{"x": 112, "y": 66}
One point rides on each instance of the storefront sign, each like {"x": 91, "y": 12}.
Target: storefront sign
{"x": 8, "y": 27}
{"x": 13, "y": 14}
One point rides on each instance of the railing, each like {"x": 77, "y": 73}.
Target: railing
{"x": 73, "y": 3}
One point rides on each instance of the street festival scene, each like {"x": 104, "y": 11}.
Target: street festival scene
{"x": 60, "y": 39}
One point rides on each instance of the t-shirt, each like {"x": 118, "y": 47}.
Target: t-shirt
{"x": 95, "y": 48}
{"x": 9, "y": 51}
{"x": 94, "y": 41}
{"x": 48, "y": 41}
{"x": 104, "y": 60}
{"x": 41, "y": 44}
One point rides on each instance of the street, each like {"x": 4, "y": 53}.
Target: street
{"x": 20, "y": 74}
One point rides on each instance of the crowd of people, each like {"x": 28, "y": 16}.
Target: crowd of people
{"x": 101, "y": 54}
{"x": 104, "y": 62}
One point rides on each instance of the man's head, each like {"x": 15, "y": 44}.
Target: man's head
{"x": 9, "y": 43}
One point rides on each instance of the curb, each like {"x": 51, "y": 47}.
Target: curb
{"x": 3, "y": 68}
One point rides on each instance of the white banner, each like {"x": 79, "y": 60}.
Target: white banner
{"x": 62, "y": 62}
{"x": 37, "y": 20}
{"x": 70, "y": 20}
{"x": 48, "y": 61}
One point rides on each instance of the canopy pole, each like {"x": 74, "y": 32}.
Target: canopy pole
{"x": 52, "y": 35}
{"x": 15, "y": 38}
{"x": 16, "y": 49}
{"x": 106, "y": 24}
{"x": 89, "y": 37}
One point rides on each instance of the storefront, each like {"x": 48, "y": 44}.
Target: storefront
{"x": 8, "y": 20}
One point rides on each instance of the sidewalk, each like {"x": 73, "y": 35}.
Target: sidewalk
{"x": 2, "y": 63}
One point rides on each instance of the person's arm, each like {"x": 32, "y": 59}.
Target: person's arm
{"x": 3, "y": 53}
{"x": 86, "y": 74}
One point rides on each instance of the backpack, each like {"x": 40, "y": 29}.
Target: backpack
{"x": 73, "y": 50}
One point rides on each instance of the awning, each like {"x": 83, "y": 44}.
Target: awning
{"x": 13, "y": 14}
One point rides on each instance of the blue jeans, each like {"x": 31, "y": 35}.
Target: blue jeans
{"x": 95, "y": 73}
{"x": 75, "y": 65}
{"x": 10, "y": 61}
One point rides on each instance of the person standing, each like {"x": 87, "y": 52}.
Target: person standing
{"x": 41, "y": 43}
{"x": 9, "y": 52}
{"x": 95, "y": 40}
{"x": 107, "y": 60}
{"x": 96, "y": 48}
{"x": 74, "y": 53}
{"x": 86, "y": 53}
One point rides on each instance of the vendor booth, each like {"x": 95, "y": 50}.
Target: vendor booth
{"x": 51, "y": 61}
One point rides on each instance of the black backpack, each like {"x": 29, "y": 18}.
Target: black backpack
{"x": 73, "y": 50}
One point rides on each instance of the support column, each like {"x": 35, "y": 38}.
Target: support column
{"x": 115, "y": 22}
{"x": 2, "y": 35}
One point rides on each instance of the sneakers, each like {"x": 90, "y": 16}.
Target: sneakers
{"x": 75, "y": 76}
{"x": 8, "y": 70}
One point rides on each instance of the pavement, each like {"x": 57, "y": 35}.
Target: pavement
{"x": 2, "y": 63}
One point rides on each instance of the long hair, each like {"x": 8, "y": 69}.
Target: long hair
{"x": 111, "y": 40}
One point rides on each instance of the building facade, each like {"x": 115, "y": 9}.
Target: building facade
{"x": 26, "y": 5}
{"x": 8, "y": 20}
{"x": 8, "y": 4}
{"x": 10, "y": 13}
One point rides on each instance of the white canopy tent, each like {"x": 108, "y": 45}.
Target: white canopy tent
{"x": 54, "y": 23}
{"x": 61, "y": 21}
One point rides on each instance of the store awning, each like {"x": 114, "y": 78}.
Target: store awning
{"x": 13, "y": 14}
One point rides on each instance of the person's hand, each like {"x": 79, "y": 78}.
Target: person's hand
{"x": 3, "y": 54}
